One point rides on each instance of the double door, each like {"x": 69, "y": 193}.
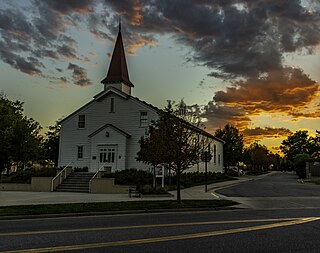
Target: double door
{"x": 108, "y": 156}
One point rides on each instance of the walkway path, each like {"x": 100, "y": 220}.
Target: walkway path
{"x": 10, "y": 198}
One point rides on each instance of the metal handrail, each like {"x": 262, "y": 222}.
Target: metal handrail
{"x": 94, "y": 177}
{"x": 64, "y": 170}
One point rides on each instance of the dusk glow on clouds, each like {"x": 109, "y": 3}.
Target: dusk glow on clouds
{"x": 239, "y": 59}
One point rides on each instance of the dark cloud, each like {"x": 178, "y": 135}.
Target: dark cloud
{"x": 67, "y": 51}
{"x": 236, "y": 39}
{"x": 65, "y": 7}
{"x": 79, "y": 75}
{"x": 29, "y": 66}
{"x": 218, "y": 115}
{"x": 26, "y": 38}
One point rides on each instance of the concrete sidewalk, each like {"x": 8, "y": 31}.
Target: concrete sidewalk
{"x": 12, "y": 198}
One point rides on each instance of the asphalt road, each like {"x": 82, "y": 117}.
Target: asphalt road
{"x": 278, "y": 190}
{"x": 215, "y": 231}
{"x": 283, "y": 217}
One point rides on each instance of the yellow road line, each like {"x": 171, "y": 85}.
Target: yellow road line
{"x": 165, "y": 238}
{"x": 141, "y": 226}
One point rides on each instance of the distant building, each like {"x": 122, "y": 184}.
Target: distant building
{"x": 105, "y": 132}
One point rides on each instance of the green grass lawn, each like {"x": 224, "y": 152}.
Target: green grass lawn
{"x": 111, "y": 207}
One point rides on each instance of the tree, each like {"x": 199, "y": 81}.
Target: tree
{"x": 19, "y": 135}
{"x": 299, "y": 162}
{"x": 259, "y": 158}
{"x": 173, "y": 139}
{"x": 26, "y": 142}
{"x": 233, "y": 147}
{"x": 298, "y": 143}
{"x": 315, "y": 146}
{"x": 51, "y": 143}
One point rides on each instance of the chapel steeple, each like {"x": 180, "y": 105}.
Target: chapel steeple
{"x": 118, "y": 75}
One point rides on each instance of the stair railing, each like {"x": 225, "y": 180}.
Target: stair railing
{"x": 94, "y": 176}
{"x": 60, "y": 177}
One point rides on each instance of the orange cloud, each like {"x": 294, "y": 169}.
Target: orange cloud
{"x": 286, "y": 91}
{"x": 259, "y": 133}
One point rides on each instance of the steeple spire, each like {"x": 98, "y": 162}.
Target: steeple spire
{"x": 118, "y": 71}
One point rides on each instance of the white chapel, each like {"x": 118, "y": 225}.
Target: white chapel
{"x": 105, "y": 132}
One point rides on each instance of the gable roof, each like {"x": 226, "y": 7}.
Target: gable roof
{"x": 111, "y": 126}
{"x": 102, "y": 94}
{"x": 118, "y": 71}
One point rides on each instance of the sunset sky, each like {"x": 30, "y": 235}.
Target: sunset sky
{"x": 252, "y": 63}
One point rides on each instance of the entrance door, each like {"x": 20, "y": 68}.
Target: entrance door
{"x": 107, "y": 157}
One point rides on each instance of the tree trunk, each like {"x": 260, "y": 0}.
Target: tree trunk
{"x": 178, "y": 185}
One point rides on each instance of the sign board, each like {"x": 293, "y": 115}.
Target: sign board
{"x": 159, "y": 170}
{"x": 206, "y": 156}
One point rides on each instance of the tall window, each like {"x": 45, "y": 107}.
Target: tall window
{"x": 82, "y": 121}
{"x": 214, "y": 154}
{"x": 219, "y": 160}
{"x": 144, "y": 119}
{"x": 112, "y": 109}
{"x": 80, "y": 152}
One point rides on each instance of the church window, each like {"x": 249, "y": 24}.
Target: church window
{"x": 112, "y": 105}
{"x": 82, "y": 121}
{"x": 80, "y": 152}
{"x": 144, "y": 122}
{"x": 214, "y": 154}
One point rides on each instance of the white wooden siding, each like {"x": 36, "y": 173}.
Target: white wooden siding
{"x": 127, "y": 118}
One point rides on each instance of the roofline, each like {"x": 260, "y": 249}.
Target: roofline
{"x": 75, "y": 112}
{"x": 156, "y": 109}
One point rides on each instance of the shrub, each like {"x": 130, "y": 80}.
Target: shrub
{"x": 148, "y": 189}
{"x": 131, "y": 177}
{"x": 24, "y": 176}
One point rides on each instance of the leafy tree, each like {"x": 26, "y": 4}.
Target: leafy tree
{"x": 259, "y": 158}
{"x": 173, "y": 139}
{"x": 315, "y": 146}
{"x": 298, "y": 143}
{"x": 19, "y": 135}
{"x": 26, "y": 141}
{"x": 233, "y": 147}
{"x": 300, "y": 164}
{"x": 51, "y": 143}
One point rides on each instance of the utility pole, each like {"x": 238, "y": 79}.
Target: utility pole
{"x": 206, "y": 157}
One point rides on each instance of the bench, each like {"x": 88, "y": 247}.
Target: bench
{"x": 133, "y": 192}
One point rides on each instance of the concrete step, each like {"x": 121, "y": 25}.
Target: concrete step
{"x": 72, "y": 190}
{"x": 76, "y": 182}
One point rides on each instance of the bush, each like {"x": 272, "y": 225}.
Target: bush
{"x": 148, "y": 189}
{"x": 24, "y": 176}
{"x": 131, "y": 177}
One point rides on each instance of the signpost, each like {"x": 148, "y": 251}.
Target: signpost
{"x": 206, "y": 157}
{"x": 159, "y": 171}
